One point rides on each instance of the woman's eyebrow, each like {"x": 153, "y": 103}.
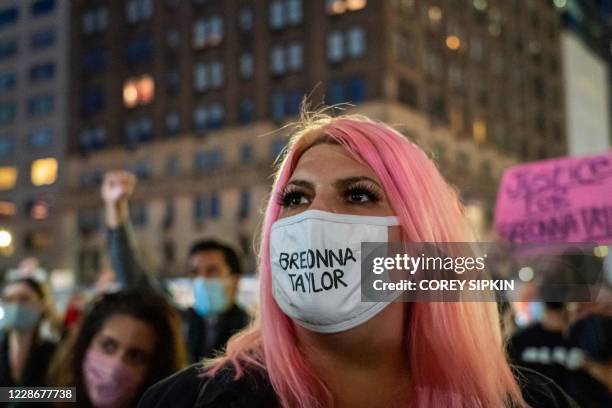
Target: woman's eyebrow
{"x": 343, "y": 183}
{"x": 301, "y": 183}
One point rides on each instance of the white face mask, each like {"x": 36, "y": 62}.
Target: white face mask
{"x": 316, "y": 268}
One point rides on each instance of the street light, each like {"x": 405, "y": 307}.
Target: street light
{"x": 5, "y": 239}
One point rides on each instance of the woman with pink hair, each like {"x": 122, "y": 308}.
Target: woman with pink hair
{"x": 344, "y": 181}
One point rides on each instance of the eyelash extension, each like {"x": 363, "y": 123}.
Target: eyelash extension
{"x": 282, "y": 198}
{"x": 364, "y": 187}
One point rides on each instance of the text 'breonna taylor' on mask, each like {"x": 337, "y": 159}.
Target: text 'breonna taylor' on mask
{"x": 316, "y": 270}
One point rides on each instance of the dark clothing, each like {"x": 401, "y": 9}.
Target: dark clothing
{"x": 593, "y": 335}
{"x": 204, "y": 336}
{"x": 547, "y": 352}
{"x": 188, "y": 388}
{"x": 35, "y": 370}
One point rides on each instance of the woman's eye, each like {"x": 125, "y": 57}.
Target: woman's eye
{"x": 108, "y": 346}
{"x": 294, "y": 199}
{"x": 361, "y": 195}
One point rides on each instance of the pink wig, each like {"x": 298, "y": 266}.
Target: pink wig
{"x": 455, "y": 350}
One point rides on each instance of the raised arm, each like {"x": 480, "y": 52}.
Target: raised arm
{"x": 126, "y": 259}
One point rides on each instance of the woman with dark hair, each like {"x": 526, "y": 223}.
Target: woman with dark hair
{"x": 24, "y": 354}
{"x": 126, "y": 342}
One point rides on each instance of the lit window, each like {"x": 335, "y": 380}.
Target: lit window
{"x": 277, "y": 60}
{"x": 294, "y": 11}
{"x": 277, "y": 17}
{"x": 342, "y": 6}
{"x": 139, "y": 10}
{"x": 44, "y": 171}
{"x": 138, "y": 91}
{"x": 285, "y": 13}
{"x": 435, "y": 14}
{"x": 7, "y": 209}
{"x": 479, "y": 130}
{"x": 453, "y": 42}
{"x": 8, "y": 177}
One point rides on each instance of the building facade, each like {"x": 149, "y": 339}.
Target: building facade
{"x": 33, "y": 119}
{"x": 187, "y": 94}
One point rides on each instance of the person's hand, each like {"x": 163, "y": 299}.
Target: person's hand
{"x": 117, "y": 186}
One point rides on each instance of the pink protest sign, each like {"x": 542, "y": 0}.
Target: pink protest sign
{"x": 557, "y": 200}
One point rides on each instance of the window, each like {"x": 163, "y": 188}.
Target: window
{"x": 207, "y": 207}
{"x": 140, "y": 49}
{"x": 246, "y": 110}
{"x": 207, "y": 76}
{"x": 94, "y": 60}
{"x": 278, "y": 105}
{"x": 173, "y": 123}
{"x": 209, "y": 117}
{"x": 207, "y": 32}
{"x": 139, "y": 215}
{"x": 43, "y": 171}
{"x": 349, "y": 44}
{"x": 7, "y": 145}
{"x": 336, "y": 7}
{"x": 8, "y": 112}
{"x": 172, "y": 166}
{"x": 208, "y": 160}
{"x": 92, "y": 101}
{"x": 40, "y": 105}
{"x": 94, "y": 21}
{"x": 285, "y": 13}
{"x": 8, "y": 177}
{"x": 7, "y": 209}
{"x": 92, "y": 139}
{"x": 41, "y": 138}
{"x": 285, "y": 58}
{"x": 169, "y": 214}
{"x": 246, "y": 65}
{"x": 173, "y": 38}
{"x": 42, "y": 72}
{"x": 215, "y": 206}
{"x": 8, "y": 16}
{"x": 8, "y": 81}
{"x": 352, "y": 90}
{"x": 138, "y": 10}
{"x": 199, "y": 208}
{"x": 138, "y": 131}
{"x": 142, "y": 170}
{"x": 479, "y": 130}
{"x": 285, "y": 104}
{"x": 245, "y": 19}
{"x": 245, "y": 205}
{"x": 138, "y": 91}
{"x": 42, "y": 39}
{"x": 8, "y": 48}
{"x": 41, "y": 7}
{"x": 172, "y": 80}
{"x": 246, "y": 153}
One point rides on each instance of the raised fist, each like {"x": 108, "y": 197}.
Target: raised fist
{"x": 117, "y": 186}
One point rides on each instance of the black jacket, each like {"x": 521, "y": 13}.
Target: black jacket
{"x": 35, "y": 370}
{"x": 187, "y": 389}
{"x": 204, "y": 336}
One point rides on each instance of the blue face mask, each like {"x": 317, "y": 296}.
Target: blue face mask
{"x": 19, "y": 316}
{"x": 210, "y": 297}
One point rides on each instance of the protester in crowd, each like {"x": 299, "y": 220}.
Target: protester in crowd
{"x": 24, "y": 352}
{"x": 544, "y": 347}
{"x": 127, "y": 341}
{"x": 214, "y": 266}
{"x": 345, "y": 181}
{"x": 591, "y": 332}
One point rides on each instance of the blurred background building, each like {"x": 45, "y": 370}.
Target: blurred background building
{"x": 187, "y": 94}
{"x": 33, "y": 127}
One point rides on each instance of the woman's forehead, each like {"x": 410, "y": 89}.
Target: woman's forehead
{"x": 330, "y": 161}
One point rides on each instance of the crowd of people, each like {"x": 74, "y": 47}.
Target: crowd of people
{"x": 342, "y": 181}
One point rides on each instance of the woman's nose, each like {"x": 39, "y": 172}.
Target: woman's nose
{"x": 326, "y": 201}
